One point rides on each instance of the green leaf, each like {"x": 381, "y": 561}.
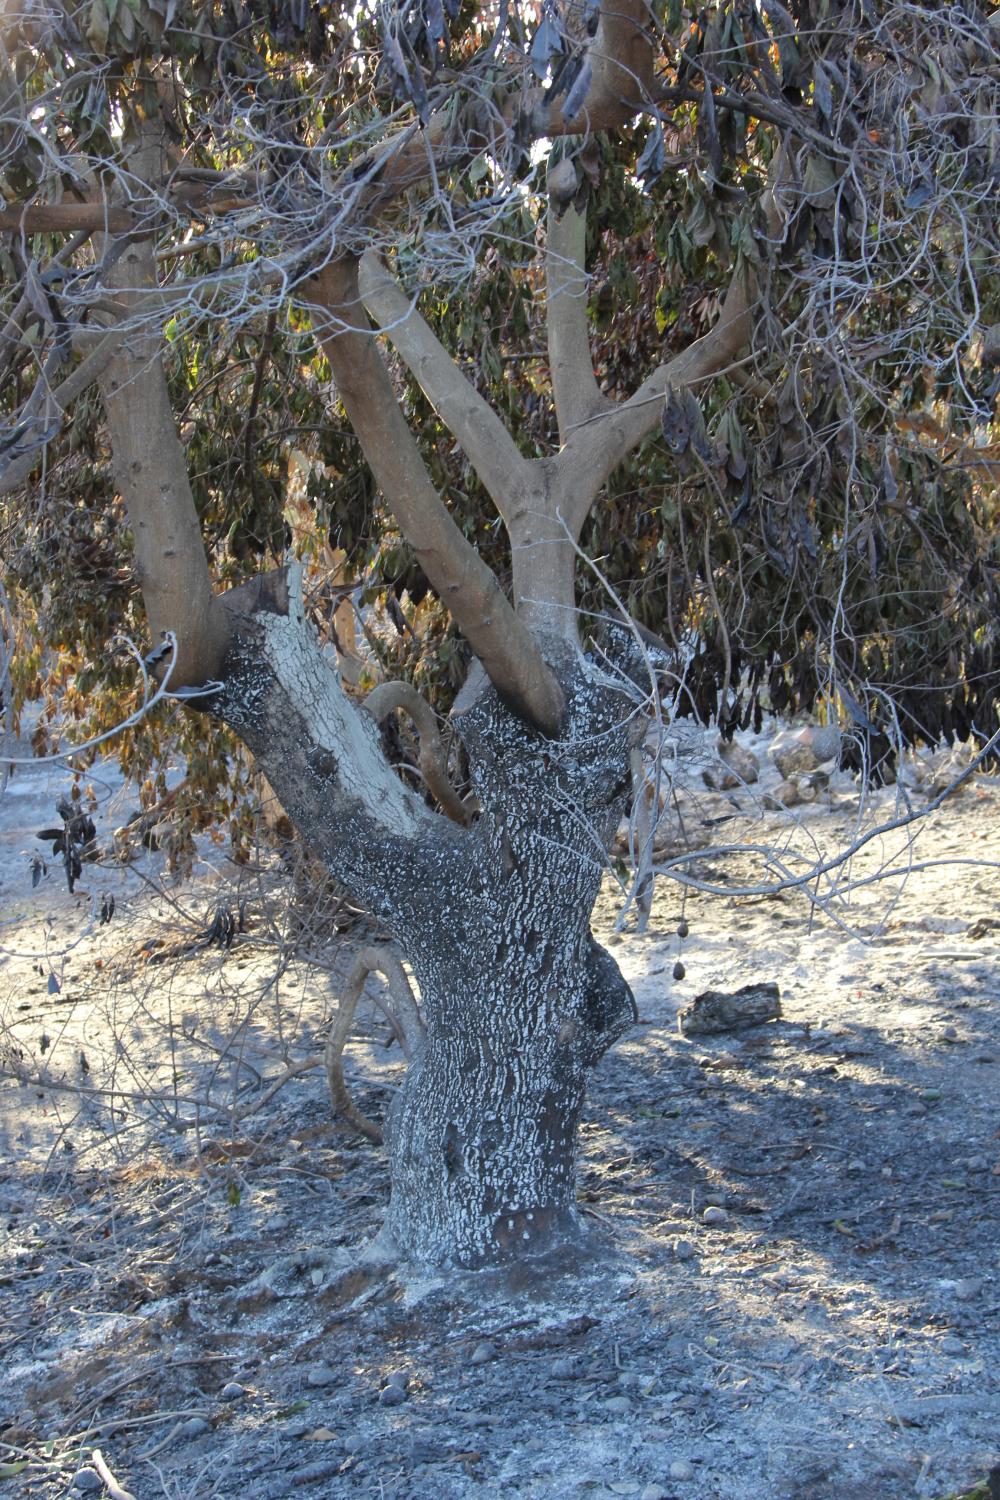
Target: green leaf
{"x": 233, "y": 1195}
{"x": 10, "y": 1471}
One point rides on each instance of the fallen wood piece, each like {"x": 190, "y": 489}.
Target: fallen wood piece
{"x": 717, "y": 1010}
{"x": 111, "y": 1484}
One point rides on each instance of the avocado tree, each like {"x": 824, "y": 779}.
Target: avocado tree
{"x": 705, "y": 295}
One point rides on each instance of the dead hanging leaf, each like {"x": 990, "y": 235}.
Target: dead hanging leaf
{"x": 683, "y": 425}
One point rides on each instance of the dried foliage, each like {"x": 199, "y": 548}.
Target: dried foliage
{"x": 821, "y": 516}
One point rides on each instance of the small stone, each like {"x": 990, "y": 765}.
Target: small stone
{"x": 296, "y": 1429}
{"x": 679, "y": 970}
{"x": 482, "y": 1353}
{"x": 681, "y": 1469}
{"x": 977, "y": 1164}
{"x": 951, "y": 1345}
{"x": 968, "y": 1288}
{"x": 398, "y": 1377}
{"x": 618, "y": 1405}
{"x": 354, "y": 1443}
{"x": 563, "y": 1368}
{"x": 714, "y": 1215}
{"x": 949, "y": 1034}
{"x": 195, "y": 1427}
{"x": 684, "y": 1250}
{"x": 392, "y": 1395}
{"x": 232, "y": 1391}
{"x": 857, "y": 1166}
{"x": 930, "y": 1096}
{"x": 320, "y": 1375}
{"x": 653, "y": 1492}
{"x": 87, "y": 1481}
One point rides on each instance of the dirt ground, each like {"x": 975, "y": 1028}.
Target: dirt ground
{"x": 183, "y": 1284}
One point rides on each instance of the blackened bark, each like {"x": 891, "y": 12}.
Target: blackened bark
{"x": 518, "y": 1000}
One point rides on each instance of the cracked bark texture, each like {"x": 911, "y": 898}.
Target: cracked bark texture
{"x": 518, "y": 1000}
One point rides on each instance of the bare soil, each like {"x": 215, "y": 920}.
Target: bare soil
{"x": 183, "y": 1282}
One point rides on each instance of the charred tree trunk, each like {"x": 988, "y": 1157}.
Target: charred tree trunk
{"x": 518, "y": 1000}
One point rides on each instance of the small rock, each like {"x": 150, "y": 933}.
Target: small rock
{"x": 563, "y": 1368}
{"x": 392, "y": 1395}
{"x": 857, "y": 1166}
{"x": 679, "y": 970}
{"x": 968, "y": 1288}
{"x": 195, "y": 1427}
{"x": 796, "y": 752}
{"x": 681, "y": 1469}
{"x": 654, "y": 1492}
{"x": 87, "y": 1481}
{"x": 742, "y": 762}
{"x": 951, "y": 1345}
{"x": 714, "y": 1215}
{"x": 354, "y": 1443}
{"x": 296, "y": 1429}
{"x": 785, "y": 794}
{"x": 482, "y": 1353}
{"x": 320, "y": 1375}
{"x": 398, "y": 1377}
{"x": 977, "y": 1164}
{"x": 232, "y": 1391}
{"x": 684, "y": 1250}
{"x": 930, "y": 1096}
{"x": 618, "y": 1404}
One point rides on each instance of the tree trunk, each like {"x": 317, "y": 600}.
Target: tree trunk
{"x": 518, "y": 1000}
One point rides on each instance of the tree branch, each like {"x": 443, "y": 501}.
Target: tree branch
{"x": 488, "y": 445}
{"x": 384, "y": 700}
{"x": 595, "y": 450}
{"x": 151, "y": 472}
{"x": 463, "y": 582}
{"x": 578, "y": 397}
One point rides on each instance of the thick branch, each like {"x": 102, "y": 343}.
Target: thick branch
{"x": 578, "y": 397}
{"x": 458, "y": 574}
{"x": 150, "y": 468}
{"x": 489, "y": 446}
{"x": 595, "y": 450}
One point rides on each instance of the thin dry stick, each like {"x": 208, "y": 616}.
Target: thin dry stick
{"x": 111, "y": 1484}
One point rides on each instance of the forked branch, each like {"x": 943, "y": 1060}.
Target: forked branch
{"x": 461, "y": 579}
{"x": 485, "y": 440}
{"x": 403, "y": 1016}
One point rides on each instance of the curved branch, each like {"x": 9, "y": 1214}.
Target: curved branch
{"x": 463, "y": 582}
{"x": 433, "y": 766}
{"x": 489, "y": 446}
{"x": 574, "y": 384}
{"x": 595, "y": 450}
{"x": 405, "y": 1021}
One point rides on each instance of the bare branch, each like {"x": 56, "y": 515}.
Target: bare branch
{"x": 489, "y": 446}
{"x": 150, "y": 467}
{"x": 404, "y": 1018}
{"x": 462, "y": 580}
{"x": 389, "y": 696}
{"x": 594, "y": 451}
{"x": 578, "y": 397}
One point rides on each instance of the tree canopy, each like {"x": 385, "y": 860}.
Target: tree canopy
{"x": 817, "y": 507}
